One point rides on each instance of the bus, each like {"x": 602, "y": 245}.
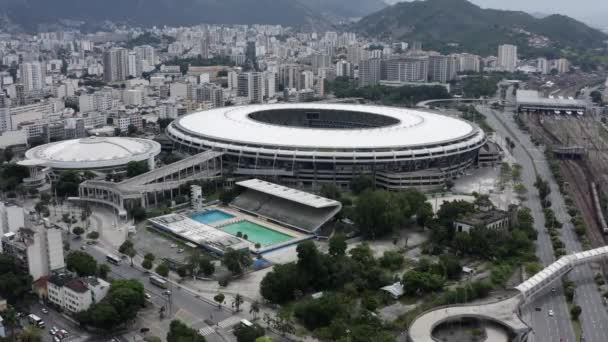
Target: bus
{"x": 36, "y": 321}
{"x": 113, "y": 259}
{"x": 158, "y": 281}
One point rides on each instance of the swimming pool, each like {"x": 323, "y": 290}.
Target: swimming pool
{"x": 257, "y": 233}
{"x": 211, "y": 216}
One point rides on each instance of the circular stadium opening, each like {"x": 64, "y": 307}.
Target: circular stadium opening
{"x": 323, "y": 118}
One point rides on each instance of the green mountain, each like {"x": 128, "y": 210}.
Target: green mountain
{"x": 31, "y": 13}
{"x": 460, "y": 25}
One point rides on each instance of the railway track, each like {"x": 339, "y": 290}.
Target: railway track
{"x": 579, "y": 176}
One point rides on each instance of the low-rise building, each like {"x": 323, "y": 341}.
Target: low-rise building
{"x": 76, "y": 294}
{"x": 489, "y": 219}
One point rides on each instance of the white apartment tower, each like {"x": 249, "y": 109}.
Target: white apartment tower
{"x": 115, "y": 65}
{"x": 507, "y": 57}
{"x": 251, "y": 86}
{"x": 5, "y": 117}
{"x": 32, "y": 76}
{"x": 38, "y": 249}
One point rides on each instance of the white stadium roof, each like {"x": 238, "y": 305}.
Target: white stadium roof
{"x": 93, "y": 152}
{"x": 415, "y": 128}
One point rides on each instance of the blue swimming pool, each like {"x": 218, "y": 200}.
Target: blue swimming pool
{"x": 210, "y": 216}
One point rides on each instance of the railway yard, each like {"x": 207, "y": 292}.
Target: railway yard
{"x": 584, "y": 168}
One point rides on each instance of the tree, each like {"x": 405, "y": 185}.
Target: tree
{"x": 30, "y": 334}
{"x": 378, "y": 214}
{"x": 82, "y": 263}
{"x": 139, "y": 214}
{"x": 120, "y": 306}
{"x": 147, "y": 264}
{"x": 331, "y": 191}
{"x": 103, "y": 270}
{"x": 149, "y": 256}
{"x": 135, "y": 168}
{"x": 132, "y": 129}
{"x": 219, "y": 298}
{"x": 254, "y": 309}
{"x": 198, "y": 262}
{"x": 94, "y": 235}
{"x": 162, "y": 269}
{"x": 179, "y": 332}
{"x": 449, "y": 211}
{"x": 127, "y": 248}
{"x": 362, "y": 183}
{"x": 237, "y": 301}
{"x": 78, "y": 231}
{"x": 575, "y": 312}
{"x": 236, "y": 261}
{"x": 420, "y": 282}
{"x": 337, "y": 245}
{"x": 67, "y": 184}
{"x": 263, "y": 339}
{"x": 245, "y": 333}
{"x": 391, "y": 260}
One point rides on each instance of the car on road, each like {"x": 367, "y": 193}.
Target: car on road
{"x": 551, "y": 313}
{"x": 181, "y": 250}
{"x": 83, "y": 247}
{"x": 148, "y": 296}
{"x": 44, "y": 310}
{"x": 537, "y": 309}
{"x": 173, "y": 245}
{"x": 553, "y": 289}
{"x": 167, "y": 292}
{"x": 53, "y": 331}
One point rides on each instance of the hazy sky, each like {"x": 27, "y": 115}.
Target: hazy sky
{"x": 575, "y": 8}
{"x": 591, "y": 11}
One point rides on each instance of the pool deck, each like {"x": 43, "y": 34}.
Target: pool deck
{"x": 297, "y": 236}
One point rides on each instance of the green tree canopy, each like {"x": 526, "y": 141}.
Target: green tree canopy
{"x": 82, "y": 263}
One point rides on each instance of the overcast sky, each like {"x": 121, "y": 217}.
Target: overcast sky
{"x": 592, "y": 11}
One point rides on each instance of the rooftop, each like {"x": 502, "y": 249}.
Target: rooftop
{"x": 411, "y": 128}
{"x": 289, "y": 194}
{"x": 533, "y": 97}
{"x": 92, "y": 152}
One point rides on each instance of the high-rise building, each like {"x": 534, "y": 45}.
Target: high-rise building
{"x": 320, "y": 61}
{"x": 442, "y": 68}
{"x": 251, "y": 87}
{"x": 344, "y": 69}
{"x": 233, "y": 79}
{"x": 134, "y": 65}
{"x": 210, "y": 93}
{"x": 562, "y": 65}
{"x": 406, "y": 70}
{"x": 146, "y": 53}
{"x": 307, "y": 80}
{"x": 289, "y": 76}
{"x": 507, "y": 57}
{"x": 269, "y": 84}
{"x": 543, "y": 66}
{"x": 5, "y": 116}
{"x": 115, "y": 65}
{"x": 370, "y": 72}
{"x": 467, "y": 62}
{"x": 38, "y": 249}
{"x": 33, "y": 76}
{"x": 355, "y": 53}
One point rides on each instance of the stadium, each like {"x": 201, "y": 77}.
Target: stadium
{"x": 308, "y": 144}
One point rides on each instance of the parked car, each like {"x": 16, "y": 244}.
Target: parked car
{"x": 44, "y": 310}
{"x": 550, "y": 313}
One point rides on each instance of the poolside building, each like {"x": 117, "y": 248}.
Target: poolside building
{"x": 210, "y": 238}
{"x": 285, "y": 206}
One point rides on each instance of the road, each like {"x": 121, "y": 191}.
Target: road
{"x": 183, "y": 304}
{"x": 594, "y": 318}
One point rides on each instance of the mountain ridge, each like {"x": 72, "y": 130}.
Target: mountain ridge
{"x": 31, "y": 13}
{"x": 438, "y": 23}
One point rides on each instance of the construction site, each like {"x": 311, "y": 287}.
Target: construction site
{"x": 578, "y": 147}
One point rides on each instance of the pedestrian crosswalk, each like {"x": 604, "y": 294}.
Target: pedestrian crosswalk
{"x": 206, "y": 331}
{"x": 228, "y": 322}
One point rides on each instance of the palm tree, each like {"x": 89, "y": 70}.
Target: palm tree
{"x": 254, "y": 309}
{"x": 238, "y": 300}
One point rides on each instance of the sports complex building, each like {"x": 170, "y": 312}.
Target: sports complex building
{"x": 305, "y": 145}
{"x": 98, "y": 154}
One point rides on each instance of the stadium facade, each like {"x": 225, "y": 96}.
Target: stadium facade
{"x": 306, "y": 145}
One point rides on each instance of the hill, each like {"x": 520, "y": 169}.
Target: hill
{"x": 465, "y": 26}
{"x": 31, "y": 13}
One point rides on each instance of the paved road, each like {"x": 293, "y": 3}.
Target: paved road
{"x": 184, "y": 305}
{"x": 594, "y": 318}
